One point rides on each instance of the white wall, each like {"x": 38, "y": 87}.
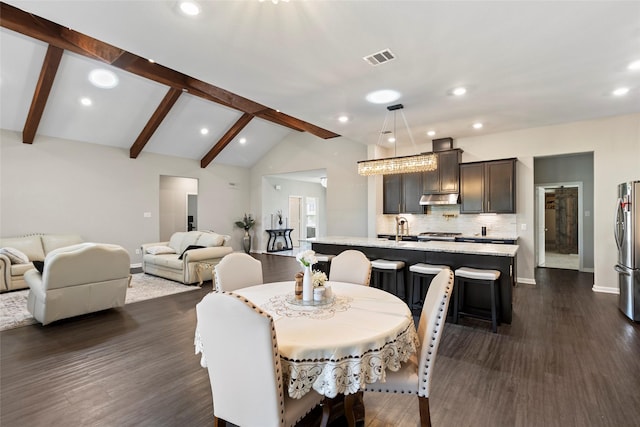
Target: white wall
{"x": 615, "y": 142}
{"x": 346, "y": 193}
{"x": 60, "y": 186}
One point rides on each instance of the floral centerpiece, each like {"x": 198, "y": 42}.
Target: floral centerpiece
{"x": 307, "y": 259}
{"x": 318, "y": 278}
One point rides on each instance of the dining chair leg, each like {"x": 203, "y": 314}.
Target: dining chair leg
{"x": 326, "y": 412}
{"x": 349, "y": 401}
{"x": 425, "y": 416}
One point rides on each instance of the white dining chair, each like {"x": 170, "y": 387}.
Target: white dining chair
{"x": 240, "y": 347}
{"x": 414, "y": 377}
{"x": 351, "y": 266}
{"x": 237, "y": 270}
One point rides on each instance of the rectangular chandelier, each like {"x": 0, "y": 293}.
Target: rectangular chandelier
{"x": 393, "y": 165}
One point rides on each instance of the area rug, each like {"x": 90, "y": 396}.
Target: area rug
{"x": 13, "y": 305}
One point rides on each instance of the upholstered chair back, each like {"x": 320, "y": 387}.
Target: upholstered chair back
{"x": 351, "y": 266}
{"x": 239, "y": 342}
{"x": 432, "y": 318}
{"x": 237, "y": 270}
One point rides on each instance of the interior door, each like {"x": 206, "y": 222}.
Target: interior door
{"x": 295, "y": 206}
{"x": 540, "y": 201}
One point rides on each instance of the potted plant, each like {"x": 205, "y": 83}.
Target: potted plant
{"x": 246, "y": 224}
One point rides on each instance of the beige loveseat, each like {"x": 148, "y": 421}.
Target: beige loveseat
{"x": 163, "y": 258}
{"x": 78, "y": 279}
{"x": 35, "y": 247}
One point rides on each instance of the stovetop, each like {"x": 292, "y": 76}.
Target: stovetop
{"x": 439, "y": 234}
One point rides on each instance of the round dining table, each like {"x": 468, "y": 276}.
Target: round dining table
{"x": 338, "y": 345}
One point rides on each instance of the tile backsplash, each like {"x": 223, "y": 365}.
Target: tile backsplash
{"x": 448, "y": 219}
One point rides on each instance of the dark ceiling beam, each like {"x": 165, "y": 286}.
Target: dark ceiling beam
{"x": 156, "y": 118}
{"x": 226, "y": 139}
{"x": 54, "y": 34}
{"x": 41, "y": 94}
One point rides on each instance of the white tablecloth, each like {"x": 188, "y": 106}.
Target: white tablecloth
{"x": 339, "y": 347}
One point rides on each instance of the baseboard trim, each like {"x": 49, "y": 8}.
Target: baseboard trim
{"x": 138, "y": 265}
{"x": 605, "y": 290}
{"x": 526, "y": 281}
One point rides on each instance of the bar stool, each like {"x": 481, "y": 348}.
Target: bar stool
{"x": 472, "y": 276}
{"x": 422, "y": 274}
{"x": 382, "y": 269}
{"x": 324, "y": 262}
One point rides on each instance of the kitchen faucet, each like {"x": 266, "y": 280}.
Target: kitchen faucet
{"x": 401, "y": 230}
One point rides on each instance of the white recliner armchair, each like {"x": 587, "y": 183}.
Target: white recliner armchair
{"x": 78, "y": 279}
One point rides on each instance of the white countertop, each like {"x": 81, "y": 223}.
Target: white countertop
{"x": 495, "y": 249}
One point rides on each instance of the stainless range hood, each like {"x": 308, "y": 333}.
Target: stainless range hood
{"x": 439, "y": 199}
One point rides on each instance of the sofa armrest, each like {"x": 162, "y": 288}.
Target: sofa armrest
{"x": 144, "y": 246}
{"x": 5, "y": 273}
{"x": 195, "y": 255}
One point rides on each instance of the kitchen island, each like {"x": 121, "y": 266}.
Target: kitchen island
{"x": 493, "y": 256}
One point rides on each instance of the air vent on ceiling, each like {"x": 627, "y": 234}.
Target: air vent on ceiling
{"x": 380, "y": 57}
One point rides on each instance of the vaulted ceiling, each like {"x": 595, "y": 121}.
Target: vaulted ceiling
{"x": 259, "y": 71}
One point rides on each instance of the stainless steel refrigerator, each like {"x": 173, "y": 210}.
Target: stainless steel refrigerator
{"x": 627, "y": 234}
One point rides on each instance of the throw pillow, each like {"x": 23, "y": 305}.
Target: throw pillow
{"x": 157, "y": 250}
{"x": 15, "y": 256}
{"x": 39, "y": 265}
{"x": 188, "y": 248}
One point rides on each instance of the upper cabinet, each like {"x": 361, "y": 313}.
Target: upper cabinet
{"x": 445, "y": 179}
{"x": 401, "y": 193}
{"x": 488, "y": 187}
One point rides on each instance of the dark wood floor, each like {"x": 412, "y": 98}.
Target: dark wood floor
{"x": 570, "y": 358}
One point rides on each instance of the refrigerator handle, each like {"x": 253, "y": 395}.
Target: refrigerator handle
{"x": 619, "y": 218}
{"x": 621, "y": 270}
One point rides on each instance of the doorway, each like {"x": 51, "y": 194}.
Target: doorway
{"x": 559, "y": 229}
{"x": 178, "y": 205}
{"x": 295, "y": 219}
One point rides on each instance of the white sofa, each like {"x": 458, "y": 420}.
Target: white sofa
{"x": 35, "y": 247}
{"x": 78, "y": 279}
{"x": 162, "y": 258}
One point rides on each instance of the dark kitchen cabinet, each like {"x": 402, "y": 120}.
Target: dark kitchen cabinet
{"x": 401, "y": 193}
{"x": 445, "y": 179}
{"x": 488, "y": 187}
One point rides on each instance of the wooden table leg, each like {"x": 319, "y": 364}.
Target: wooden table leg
{"x": 349, "y": 401}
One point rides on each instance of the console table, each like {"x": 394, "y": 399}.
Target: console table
{"x": 285, "y": 234}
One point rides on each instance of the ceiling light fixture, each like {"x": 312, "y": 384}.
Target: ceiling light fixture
{"x": 635, "y": 65}
{"x": 431, "y": 133}
{"x": 394, "y": 165}
{"x": 102, "y": 78}
{"x": 204, "y": 131}
{"x": 383, "y": 96}
{"x": 343, "y": 119}
{"x": 189, "y": 8}
{"x": 275, "y": 1}
{"x": 86, "y": 101}
{"x": 621, "y": 91}
{"x": 242, "y": 140}
{"x": 459, "y": 91}
{"x": 477, "y": 125}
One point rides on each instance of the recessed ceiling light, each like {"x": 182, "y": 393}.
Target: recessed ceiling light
{"x": 459, "y": 91}
{"x": 392, "y": 139}
{"x": 189, "y": 8}
{"x": 621, "y": 91}
{"x": 383, "y": 96}
{"x": 86, "y": 101}
{"x": 242, "y": 140}
{"x": 103, "y": 79}
{"x": 477, "y": 125}
{"x": 635, "y": 65}
{"x": 431, "y": 133}
{"x": 343, "y": 119}
{"x": 204, "y": 131}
